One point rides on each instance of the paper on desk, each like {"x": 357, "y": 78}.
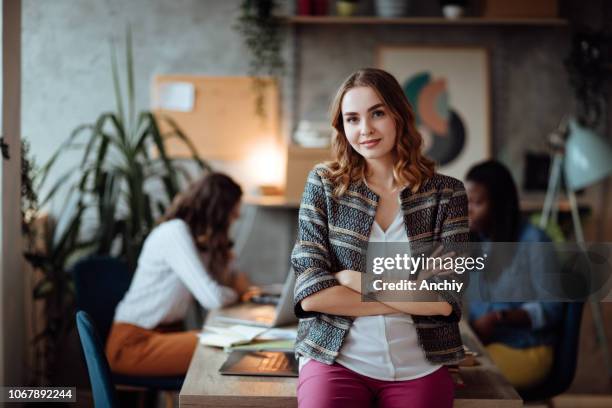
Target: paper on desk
{"x": 278, "y": 334}
{"x": 227, "y": 336}
{"x": 268, "y": 345}
{"x": 176, "y": 96}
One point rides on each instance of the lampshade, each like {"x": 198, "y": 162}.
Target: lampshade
{"x": 588, "y": 158}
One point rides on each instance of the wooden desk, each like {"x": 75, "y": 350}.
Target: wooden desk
{"x": 205, "y": 387}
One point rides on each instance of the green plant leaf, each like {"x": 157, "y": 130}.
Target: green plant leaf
{"x": 169, "y": 180}
{"x": 42, "y": 289}
{"x": 130, "y": 76}
{"x": 46, "y": 169}
{"x": 116, "y": 82}
{"x": 69, "y": 234}
{"x": 142, "y": 133}
{"x": 60, "y": 182}
{"x": 115, "y": 190}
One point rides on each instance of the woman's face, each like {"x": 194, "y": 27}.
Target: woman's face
{"x": 369, "y": 127}
{"x": 478, "y": 206}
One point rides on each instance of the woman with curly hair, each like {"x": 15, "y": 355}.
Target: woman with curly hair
{"x": 378, "y": 188}
{"x": 187, "y": 255}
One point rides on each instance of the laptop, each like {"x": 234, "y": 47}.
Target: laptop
{"x": 263, "y": 315}
{"x": 260, "y": 363}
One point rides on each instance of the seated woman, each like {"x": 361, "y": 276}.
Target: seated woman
{"x": 187, "y": 255}
{"x": 519, "y": 336}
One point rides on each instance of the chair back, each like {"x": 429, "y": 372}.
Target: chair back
{"x": 565, "y": 356}
{"x": 99, "y": 372}
{"x": 100, "y": 284}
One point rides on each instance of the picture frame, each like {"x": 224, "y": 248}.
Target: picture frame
{"x": 449, "y": 89}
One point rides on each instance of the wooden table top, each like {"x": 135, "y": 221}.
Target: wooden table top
{"x": 205, "y": 387}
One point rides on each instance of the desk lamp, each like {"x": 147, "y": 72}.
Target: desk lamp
{"x": 585, "y": 159}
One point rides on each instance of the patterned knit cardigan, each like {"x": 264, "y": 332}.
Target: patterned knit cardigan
{"x": 333, "y": 235}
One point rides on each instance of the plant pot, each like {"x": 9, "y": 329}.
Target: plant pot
{"x": 391, "y": 8}
{"x": 346, "y": 8}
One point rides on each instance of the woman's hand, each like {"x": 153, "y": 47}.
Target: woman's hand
{"x": 241, "y": 284}
{"x": 484, "y": 326}
{"x": 425, "y": 274}
{"x": 350, "y": 279}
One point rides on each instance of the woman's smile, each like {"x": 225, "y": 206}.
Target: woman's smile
{"x": 369, "y": 144}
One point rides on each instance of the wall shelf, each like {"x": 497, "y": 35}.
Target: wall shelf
{"x": 477, "y": 21}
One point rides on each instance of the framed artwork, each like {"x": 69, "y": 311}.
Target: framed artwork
{"x": 448, "y": 88}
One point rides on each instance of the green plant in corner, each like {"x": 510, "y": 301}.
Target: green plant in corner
{"x": 123, "y": 181}
{"x": 118, "y": 173}
{"x": 50, "y": 282}
{"x": 261, "y": 32}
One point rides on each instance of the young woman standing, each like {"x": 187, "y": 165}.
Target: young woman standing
{"x": 378, "y": 188}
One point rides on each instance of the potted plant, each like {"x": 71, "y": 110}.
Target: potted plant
{"x": 261, "y": 33}
{"x": 118, "y": 183}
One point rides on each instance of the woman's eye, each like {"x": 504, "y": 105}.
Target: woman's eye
{"x": 378, "y": 113}
{"x": 351, "y": 119}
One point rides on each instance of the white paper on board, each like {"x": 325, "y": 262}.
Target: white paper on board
{"x": 176, "y": 96}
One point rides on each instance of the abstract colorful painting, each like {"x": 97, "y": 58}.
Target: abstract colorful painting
{"x": 448, "y": 88}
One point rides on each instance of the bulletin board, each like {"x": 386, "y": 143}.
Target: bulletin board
{"x": 221, "y": 121}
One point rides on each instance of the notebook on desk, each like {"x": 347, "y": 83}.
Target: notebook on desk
{"x": 260, "y": 363}
{"x": 264, "y": 315}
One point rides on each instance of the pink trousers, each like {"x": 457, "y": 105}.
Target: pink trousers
{"x": 324, "y": 386}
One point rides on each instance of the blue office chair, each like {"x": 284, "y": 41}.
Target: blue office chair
{"x": 97, "y": 365}
{"x": 565, "y": 356}
{"x": 100, "y": 284}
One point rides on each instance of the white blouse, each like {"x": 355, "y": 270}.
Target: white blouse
{"x": 170, "y": 271}
{"x": 384, "y": 347}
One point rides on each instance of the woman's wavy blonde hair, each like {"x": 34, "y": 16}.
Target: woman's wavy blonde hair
{"x": 411, "y": 168}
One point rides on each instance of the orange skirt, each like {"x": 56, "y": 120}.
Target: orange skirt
{"x": 132, "y": 350}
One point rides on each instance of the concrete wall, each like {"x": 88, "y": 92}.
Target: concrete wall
{"x": 66, "y": 71}
{"x": 67, "y": 75}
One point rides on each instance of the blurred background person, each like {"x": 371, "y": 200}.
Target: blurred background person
{"x": 188, "y": 255}
{"x": 519, "y": 336}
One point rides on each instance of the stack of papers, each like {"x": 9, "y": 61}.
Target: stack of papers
{"x": 239, "y": 334}
{"x": 265, "y": 345}
{"x": 219, "y": 336}
{"x": 278, "y": 334}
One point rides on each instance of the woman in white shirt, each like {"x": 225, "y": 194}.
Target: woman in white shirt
{"x": 187, "y": 255}
{"x": 378, "y": 188}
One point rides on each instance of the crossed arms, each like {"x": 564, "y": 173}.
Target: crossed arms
{"x": 346, "y": 300}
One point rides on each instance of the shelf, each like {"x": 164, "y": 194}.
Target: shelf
{"x": 426, "y": 20}
{"x": 535, "y": 203}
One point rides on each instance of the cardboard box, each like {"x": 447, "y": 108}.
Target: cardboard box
{"x": 521, "y": 8}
